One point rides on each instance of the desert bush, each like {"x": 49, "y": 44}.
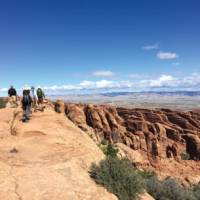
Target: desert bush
{"x": 146, "y": 174}
{"x": 2, "y": 103}
{"x": 108, "y": 149}
{"x": 119, "y": 177}
{"x": 111, "y": 150}
{"x": 185, "y": 156}
{"x": 196, "y": 191}
{"x": 104, "y": 142}
{"x": 168, "y": 189}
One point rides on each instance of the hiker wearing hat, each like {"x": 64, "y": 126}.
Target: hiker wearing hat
{"x": 26, "y": 104}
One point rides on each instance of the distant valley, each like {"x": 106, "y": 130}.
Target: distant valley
{"x": 181, "y": 100}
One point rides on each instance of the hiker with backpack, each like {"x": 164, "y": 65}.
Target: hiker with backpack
{"x": 12, "y": 100}
{"x": 12, "y": 91}
{"x": 26, "y": 104}
{"x": 40, "y": 96}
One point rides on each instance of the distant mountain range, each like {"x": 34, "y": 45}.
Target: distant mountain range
{"x": 183, "y": 93}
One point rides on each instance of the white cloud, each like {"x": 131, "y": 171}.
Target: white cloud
{"x": 166, "y": 81}
{"x": 87, "y": 84}
{"x": 104, "y": 84}
{"x": 162, "y": 82}
{"x": 3, "y": 89}
{"x": 151, "y": 47}
{"x": 96, "y": 84}
{"x": 103, "y": 73}
{"x": 167, "y": 55}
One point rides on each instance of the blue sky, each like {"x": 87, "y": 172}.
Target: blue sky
{"x": 92, "y": 44}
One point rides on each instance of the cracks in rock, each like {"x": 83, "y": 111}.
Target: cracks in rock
{"x": 12, "y": 123}
{"x": 16, "y": 185}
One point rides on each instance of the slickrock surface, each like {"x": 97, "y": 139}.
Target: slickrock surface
{"x": 153, "y": 139}
{"x": 46, "y": 159}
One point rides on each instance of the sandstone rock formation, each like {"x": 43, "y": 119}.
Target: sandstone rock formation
{"x": 46, "y": 159}
{"x": 49, "y": 157}
{"x": 159, "y": 136}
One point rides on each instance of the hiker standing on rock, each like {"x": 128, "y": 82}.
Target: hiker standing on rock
{"x": 26, "y": 104}
{"x": 12, "y": 93}
{"x": 40, "y": 96}
{"x": 34, "y": 98}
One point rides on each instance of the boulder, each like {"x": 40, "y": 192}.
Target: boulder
{"x": 60, "y": 106}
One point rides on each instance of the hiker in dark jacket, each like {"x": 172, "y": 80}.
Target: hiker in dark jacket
{"x": 12, "y": 92}
{"x": 26, "y": 104}
{"x": 40, "y": 96}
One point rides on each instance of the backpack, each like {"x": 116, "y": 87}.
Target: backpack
{"x": 39, "y": 93}
{"x": 12, "y": 92}
{"x": 26, "y": 100}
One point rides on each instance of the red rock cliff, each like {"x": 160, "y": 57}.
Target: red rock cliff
{"x": 160, "y": 134}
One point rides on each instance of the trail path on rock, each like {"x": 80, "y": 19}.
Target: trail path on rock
{"x": 49, "y": 160}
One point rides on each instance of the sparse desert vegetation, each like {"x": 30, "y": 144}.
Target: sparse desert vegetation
{"x": 119, "y": 177}
{"x": 2, "y": 103}
{"x": 108, "y": 149}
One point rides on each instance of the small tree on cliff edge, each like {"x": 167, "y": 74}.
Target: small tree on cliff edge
{"x": 108, "y": 149}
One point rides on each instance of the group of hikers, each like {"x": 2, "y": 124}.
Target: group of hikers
{"x": 31, "y": 98}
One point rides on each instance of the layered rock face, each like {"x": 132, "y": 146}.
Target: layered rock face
{"x": 158, "y": 137}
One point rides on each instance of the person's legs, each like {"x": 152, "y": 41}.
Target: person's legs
{"x": 34, "y": 102}
{"x": 40, "y": 100}
{"x": 28, "y": 112}
{"x": 24, "y": 114}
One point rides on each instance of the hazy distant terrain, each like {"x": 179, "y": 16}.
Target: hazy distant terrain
{"x": 173, "y": 100}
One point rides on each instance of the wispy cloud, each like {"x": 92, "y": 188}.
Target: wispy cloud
{"x": 103, "y": 73}
{"x": 167, "y": 55}
{"x": 151, "y": 47}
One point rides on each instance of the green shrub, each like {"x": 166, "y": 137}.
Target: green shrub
{"x": 119, "y": 177}
{"x": 111, "y": 150}
{"x": 2, "y": 103}
{"x": 126, "y": 182}
{"x": 104, "y": 142}
{"x": 185, "y": 156}
{"x": 146, "y": 174}
{"x": 196, "y": 191}
{"x": 108, "y": 149}
{"x": 168, "y": 189}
